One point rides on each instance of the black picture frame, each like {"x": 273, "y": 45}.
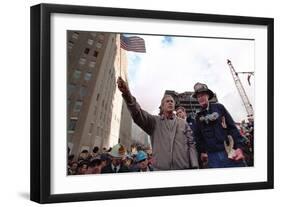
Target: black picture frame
{"x": 41, "y": 102}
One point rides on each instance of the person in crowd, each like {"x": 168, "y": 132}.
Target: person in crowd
{"x": 73, "y": 168}
{"x": 216, "y": 132}
{"x": 105, "y": 160}
{"x": 96, "y": 165}
{"x": 247, "y": 132}
{"x": 83, "y": 167}
{"x": 95, "y": 152}
{"x": 117, "y": 153}
{"x": 84, "y": 156}
{"x": 104, "y": 150}
{"x": 70, "y": 160}
{"x": 129, "y": 162}
{"x": 142, "y": 162}
{"x": 150, "y": 159}
{"x": 171, "y": 137}
{"x": 182, "y": 113}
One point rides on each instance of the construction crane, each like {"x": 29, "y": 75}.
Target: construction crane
{"x": 248, "y": 106}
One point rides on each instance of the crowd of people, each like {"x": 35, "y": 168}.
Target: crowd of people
{"x": 246, "y": 129}
{"x": 210, "y": 140}
{"x": 117, "y": 159}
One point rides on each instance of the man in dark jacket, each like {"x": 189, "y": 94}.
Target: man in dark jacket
{"x": 117, "y": 153}
{"x": 215, "y": 131}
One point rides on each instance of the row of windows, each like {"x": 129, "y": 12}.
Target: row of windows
{"x": 77, "y": 75}
{"x": 102, "y": 117}
{"x": 70, "y": 44}
{"x": 77, "y": 106}
{"x": 71, "y": 88}
{"x": 75, "y": 36}
{"x": 82, "y": 61}
{"x": 87, "y": 50}
{"x": 72, "y": 123}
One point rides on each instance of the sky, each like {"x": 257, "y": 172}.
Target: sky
{"x": 177, "y": 63}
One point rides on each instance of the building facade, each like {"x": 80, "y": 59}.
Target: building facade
{"x": 185, "y": 100}
{"x": 94, "y": 103}
{"x": 139, "y": 137}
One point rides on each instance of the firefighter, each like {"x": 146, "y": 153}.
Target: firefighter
{"x": 219, "y": 141}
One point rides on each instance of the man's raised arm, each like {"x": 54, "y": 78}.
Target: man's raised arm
{"x": 142, "y": 118}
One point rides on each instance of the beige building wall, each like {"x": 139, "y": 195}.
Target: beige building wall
{"x": 94, "y": 101}
{"x": 126, "y": 127}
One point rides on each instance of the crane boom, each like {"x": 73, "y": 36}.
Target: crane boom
{"x": 248, "y": 106}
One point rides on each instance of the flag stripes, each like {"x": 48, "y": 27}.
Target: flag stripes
{"x": 134, "y": 43}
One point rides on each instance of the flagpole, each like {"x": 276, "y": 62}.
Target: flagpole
{"x": 120, "y": 55}
{"x": 134, "y": 43}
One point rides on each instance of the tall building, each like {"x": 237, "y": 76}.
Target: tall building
{"x": 140, "y": 137}
{"x": 94, "y": 103}
{"x": 185, "y": 100}
{"x": 125, "y": 134}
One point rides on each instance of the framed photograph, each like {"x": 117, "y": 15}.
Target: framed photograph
{"x": 133, "y": 103}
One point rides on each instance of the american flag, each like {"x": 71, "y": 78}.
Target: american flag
{"x": 133, "y": 43}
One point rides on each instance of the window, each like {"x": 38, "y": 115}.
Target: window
{"x": 93, "y": 34}
{"x": 95, "y": 54}
{"x": 72, "y": 123}
{"x": 92, "y": 64}
{"x": 86, "y": 51}
{"x": 87, "y": 76}
{"x": 71, "y": 88}
{"x": 98, "y": 96}
{"x": 70, "y": 45}
{"x": 82, "y": 61}
{"x": 68, "y": 102}
{"x": 101, "y": 37}
{"x": 98, "y": 45}
{"x": 77, "y": 106}
{"x": 76, "y": 74}
{"x": 90, "y": 41}
{"x": 83, "y": 91}
{"x": 75, "y": 35}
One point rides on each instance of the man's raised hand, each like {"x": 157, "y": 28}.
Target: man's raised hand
{"x": 122, "y": 86}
